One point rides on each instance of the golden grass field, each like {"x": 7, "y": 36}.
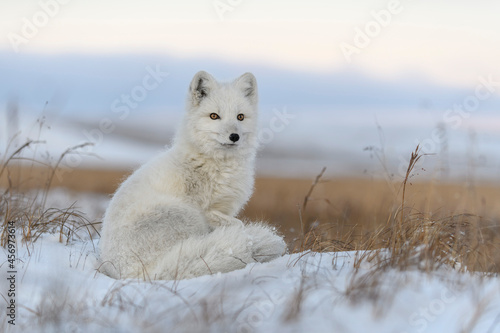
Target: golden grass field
{"x": 347, "y": 209}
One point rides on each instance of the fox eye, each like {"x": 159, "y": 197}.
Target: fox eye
{"x": 240, "y": 117}
{"x": 214, "y": 116}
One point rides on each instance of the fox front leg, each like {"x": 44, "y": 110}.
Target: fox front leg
{"x": 218, "y": 219}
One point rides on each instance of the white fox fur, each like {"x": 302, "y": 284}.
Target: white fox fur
{"x": 174, "y": 217}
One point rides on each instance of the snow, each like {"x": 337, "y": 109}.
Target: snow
{"x": 59, "y": 290}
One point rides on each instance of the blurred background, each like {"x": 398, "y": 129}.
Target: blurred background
{"x": 352, "y": 86}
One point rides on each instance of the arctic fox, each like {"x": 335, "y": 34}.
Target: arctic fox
{"x": 174, "y": 218}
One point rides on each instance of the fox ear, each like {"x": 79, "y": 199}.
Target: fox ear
{"x": 200, "y": 86}
{"x": 248, "y": 86}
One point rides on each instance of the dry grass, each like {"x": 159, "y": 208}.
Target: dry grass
{"x": 325, "y": 215}
{"x": 30, "y": 214}
{"x": 411, "y": 237}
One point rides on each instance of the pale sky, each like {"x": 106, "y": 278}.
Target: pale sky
{"x": 446, "y": 41}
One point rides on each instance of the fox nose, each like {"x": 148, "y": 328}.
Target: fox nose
{"x": 234, "y": 137}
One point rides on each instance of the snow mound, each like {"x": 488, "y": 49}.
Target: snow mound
{"x": 59, "y": 289}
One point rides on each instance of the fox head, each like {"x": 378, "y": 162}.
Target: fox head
{"x": 221, "y": 118}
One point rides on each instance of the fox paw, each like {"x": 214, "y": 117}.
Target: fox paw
{"x": 265, "y": 244}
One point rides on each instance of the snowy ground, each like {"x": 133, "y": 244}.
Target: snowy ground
{"x": 58, "y": 289}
